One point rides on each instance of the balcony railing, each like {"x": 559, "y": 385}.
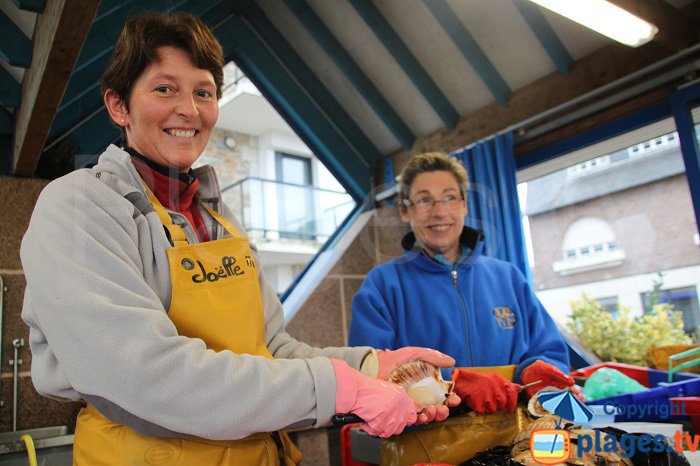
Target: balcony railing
{"x": 274, "y": 210}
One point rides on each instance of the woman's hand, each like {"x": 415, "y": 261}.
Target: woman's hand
{"x": 390, "y": 360}
{"x": 385, "y": 407}
{"x": 432, "y": 413}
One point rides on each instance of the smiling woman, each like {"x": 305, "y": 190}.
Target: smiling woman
{"x": 146, "y": 301}
{"x": 445, "y": 291}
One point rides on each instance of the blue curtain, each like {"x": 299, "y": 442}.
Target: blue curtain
{"x": 492, "y": 200}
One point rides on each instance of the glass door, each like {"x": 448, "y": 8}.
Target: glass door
{"x": 295, "y": 197}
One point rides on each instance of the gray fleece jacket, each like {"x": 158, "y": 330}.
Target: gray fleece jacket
{"x": 98, "y": 290}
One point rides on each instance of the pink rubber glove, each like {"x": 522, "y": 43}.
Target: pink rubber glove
{"x": 385, "y": 407}
{"x": 390, "y": 360}
{"x": 485, "y": 392}
{"x": 548, "y": 374}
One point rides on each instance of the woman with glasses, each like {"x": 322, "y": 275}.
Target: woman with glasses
{"x": 444, "y": 293}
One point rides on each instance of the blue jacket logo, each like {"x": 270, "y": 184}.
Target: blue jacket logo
{"x": 505, "y": 318}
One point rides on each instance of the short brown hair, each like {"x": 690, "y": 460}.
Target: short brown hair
{"x": 142, "y": 36}
{"x": 431, "y": 162}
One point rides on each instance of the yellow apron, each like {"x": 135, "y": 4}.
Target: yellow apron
{"x": 219, "y": 278}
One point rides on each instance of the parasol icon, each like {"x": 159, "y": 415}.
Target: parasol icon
{"x": 563, "y": 403}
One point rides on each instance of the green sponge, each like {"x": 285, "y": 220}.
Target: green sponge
{"x": 607, "y": 382}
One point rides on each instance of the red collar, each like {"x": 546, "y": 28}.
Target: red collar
{"x": 174, "y": 194}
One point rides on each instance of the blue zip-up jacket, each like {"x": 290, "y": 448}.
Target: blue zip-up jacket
{"x": 481, "y": 311}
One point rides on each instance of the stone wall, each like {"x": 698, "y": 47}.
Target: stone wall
{"x": 17, "y": 199}
{"x": 232, "y": 164}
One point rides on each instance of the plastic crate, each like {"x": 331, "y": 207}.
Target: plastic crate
{"x": 651, "y": 405}
{"x": 691, "y": 406}
{"x": 346, "y": 456}
{"x": 644, "y": 375}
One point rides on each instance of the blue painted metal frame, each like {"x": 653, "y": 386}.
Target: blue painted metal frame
{"x": 7, "y": 125}
{"x": 297, "y": 94}
{"x": 403, "y": 56}
{"x": 592, "y": 136}
{"x": 389, "y": 178}
{"x": 352, "y": 71}
{"x": 35, "y": 6}
{"x": 681, "y": 103}
{"x": 316, "y": 93}
{"x": 545, "y": 34}
{"x": 10, "y": 89}
{"x": 83, "y": 91}
{"x": 470, "y": 49}
{"x": 15, "y": 47}
{"x": 5, "y": 160}
{"x": 677, "y": 106}
{"x": 104, "y": 31}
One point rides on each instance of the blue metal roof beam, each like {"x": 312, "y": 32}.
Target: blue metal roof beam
{"x": 545, "y": 34}
{"x": 352, "y": 71}
{"x": 7, "y": 125}
{"x": 307, "y": 106}
{"x": 104, "y": 31}
{"x": 35, "y": 6}
{"x": 100, "y": 43}
{"x": 318, "y": 95}
{"x": 10, "y": 90}
{"x": 15, "y": 47}
{"x": 466, "y": 44}
{"x": 83, "y": 91}
{"x": 403, "y": 56}
{"x": 305, "y": 103}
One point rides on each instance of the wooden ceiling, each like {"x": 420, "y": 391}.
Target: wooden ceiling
{"x": 359, "y": 80}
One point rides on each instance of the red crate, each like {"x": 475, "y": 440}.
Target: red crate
{"x": 691, "y": 405}
{"x": 345, "y": 447}
{"x": 644, "y": 375}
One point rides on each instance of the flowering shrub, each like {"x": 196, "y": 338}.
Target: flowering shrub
{"x": 625, "y": 339}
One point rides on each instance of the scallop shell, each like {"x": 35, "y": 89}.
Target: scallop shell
{"x": 422, "y": 381}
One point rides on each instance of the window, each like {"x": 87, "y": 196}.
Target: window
{"x": 610, "y": 305}
{"x": 647, "y": 147}
{"x": 684, "y": 299}
{"x": 587, "y": 246}
{"x": 589, "y": 166}
{"x": 296, "y": 215}
{"x": 606, "y": 224}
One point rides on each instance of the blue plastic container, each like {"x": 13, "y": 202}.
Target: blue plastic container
{"x": 653, "y": 405}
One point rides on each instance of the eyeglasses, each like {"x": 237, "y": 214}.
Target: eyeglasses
{"x": 426, "y": 204}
